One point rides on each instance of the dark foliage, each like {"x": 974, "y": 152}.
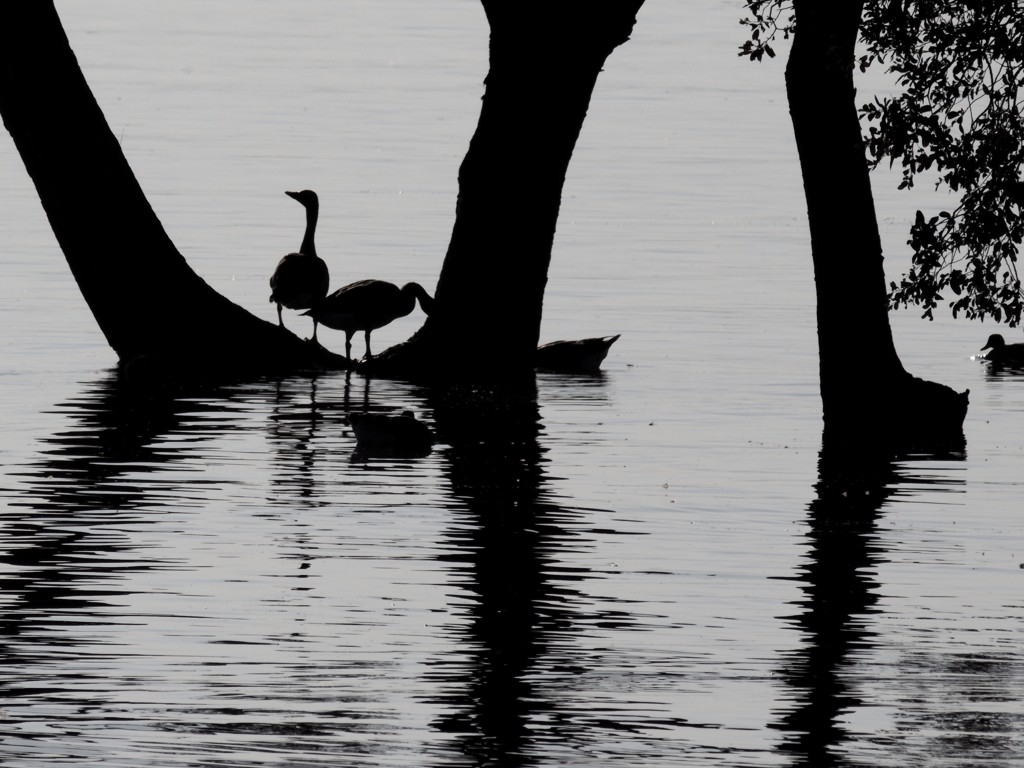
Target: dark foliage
{"x": 957, "y": 122}
{"x": 767, "y": 19}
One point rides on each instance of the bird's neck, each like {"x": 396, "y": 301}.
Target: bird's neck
{"x": 426, "y": 301}
{"x": 417, "y": 291}
{"x": 308, "y": 247}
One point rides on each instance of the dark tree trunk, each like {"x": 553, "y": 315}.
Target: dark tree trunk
{"x": 866, "y": 393}
{"x": 152, "y": 306}
{"x": 149, "y": 303}
{"x": 544, "y": 62}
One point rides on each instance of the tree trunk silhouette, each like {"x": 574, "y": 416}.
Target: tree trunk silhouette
{"x": 544, "y": 62}
{"x": 151, "y": 306}
{"x": 866, "y": 392}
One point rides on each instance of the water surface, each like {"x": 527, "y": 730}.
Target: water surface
{"x": 650, "y": 567}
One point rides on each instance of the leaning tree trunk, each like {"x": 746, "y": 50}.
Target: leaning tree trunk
{"x": 149, "y": 303}
{"x": 544, "y": 61}
{"x": 866, "y": 393}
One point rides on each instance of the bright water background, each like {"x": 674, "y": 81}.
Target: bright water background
{"x": 216, "y": 580}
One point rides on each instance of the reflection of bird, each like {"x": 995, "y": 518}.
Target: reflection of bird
{"x": 394, "y": 434}
{"x": 301, "y": 279}
{"x": 1001, "y": 352}
{"x": 367, "y": 305}
{"x": 580, "y": 356}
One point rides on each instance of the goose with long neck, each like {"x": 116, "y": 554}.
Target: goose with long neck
{"x": 301, "y": 279}
{"x": 366, "y": 305}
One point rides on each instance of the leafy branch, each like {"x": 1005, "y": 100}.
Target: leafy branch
{"x": 958, "y": 118}
{"x": 767, "y": 20}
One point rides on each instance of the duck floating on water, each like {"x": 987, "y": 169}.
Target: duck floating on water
{"x": 1001, "y": 352}
{"x": 366, "y": 305}
{"x": 301, "y": 279}
{"x": 579, "y": 356}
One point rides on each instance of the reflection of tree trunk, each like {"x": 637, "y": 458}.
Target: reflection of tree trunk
{"x": 544, "y": 62}
{"x": 839, "y": 594}
{"x": 864, "y": 388}
{"x": 494, "y": 470}
{"x": 147, "y": 300}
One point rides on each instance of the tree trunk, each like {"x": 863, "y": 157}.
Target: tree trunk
{"x": 149, "y": 303}
{"x": 544, "y": 62}
{"x": 866, "y": 393}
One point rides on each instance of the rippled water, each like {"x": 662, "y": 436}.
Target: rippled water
{"x": 652, "y": 567}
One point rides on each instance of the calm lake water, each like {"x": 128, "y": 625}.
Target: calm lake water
{"x": 651, "y": 573}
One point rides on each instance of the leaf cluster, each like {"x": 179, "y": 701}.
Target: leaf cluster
{"x": 766, "y": 20}
{"x": 958, "y": 118}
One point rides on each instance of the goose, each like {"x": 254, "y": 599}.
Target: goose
{"x": 366, "y": 305}
{"x": 392, "y": 434}
{"x": 579, "y": 356}
{"x": 301, "y": 279}
{"x": 1001, "y": 352}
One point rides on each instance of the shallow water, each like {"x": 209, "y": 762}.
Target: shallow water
{"x": 641, "y": 568}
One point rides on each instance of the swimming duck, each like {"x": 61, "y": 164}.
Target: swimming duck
{"x": 301, "y": 279}
{"x": 1001, "y": 352}
{"x": 366, "y": 305}
{"x": 391, "y": 434}
{"x": 579, "y": 356}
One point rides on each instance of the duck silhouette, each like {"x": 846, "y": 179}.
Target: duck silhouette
{"x": 579, "y": 356}
{"x": 366, "y": 305}
{"x": 301, "y": 279}
{"x": 1001, "y": 352}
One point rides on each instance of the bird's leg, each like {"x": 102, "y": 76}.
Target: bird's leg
{"x": 368, "y": 355}
{"x": 314, "y": 332}
{"x": 348, "y": 344}
{"x": 280, "y": 321}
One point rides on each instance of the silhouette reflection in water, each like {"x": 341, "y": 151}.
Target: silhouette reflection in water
{"x": 303, "y": 411}
{"x": 840, "y": 595}
{"x": 64, "y": 546}
{"x": 997, "y": 370}
{"x": 520, "y": 665}
{"x": 518, "y": 616}
{"x": 118, "y": 431}
{"x": 295, "y": 418}
{"x": 522, "y": 656}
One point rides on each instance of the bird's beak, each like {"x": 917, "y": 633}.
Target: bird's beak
{"x": 293, "y": 195}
